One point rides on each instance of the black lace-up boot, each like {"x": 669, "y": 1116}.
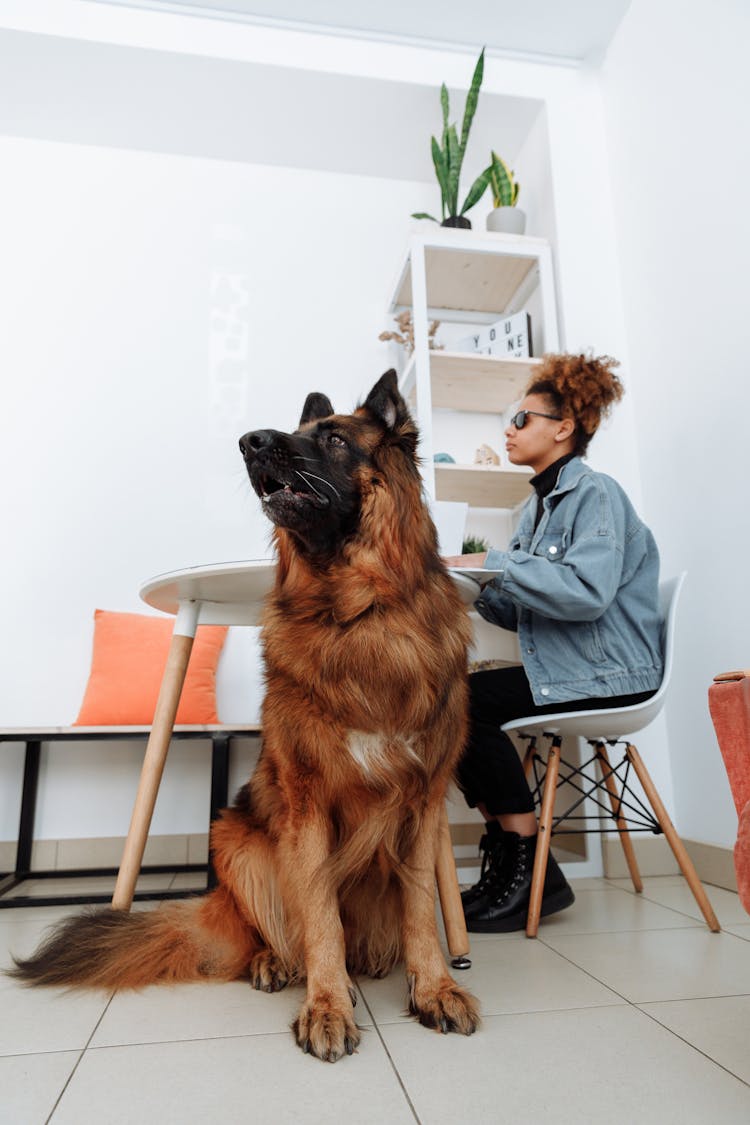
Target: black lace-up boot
{"x": 504, "y": 902}
{"x": 491, "y": 847}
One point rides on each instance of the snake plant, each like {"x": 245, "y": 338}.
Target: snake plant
{"x": 501, "y": 179}
{"x": 448, "y": 156}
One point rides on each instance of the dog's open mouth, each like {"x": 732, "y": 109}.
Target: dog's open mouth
{"x": 278, "y": 493}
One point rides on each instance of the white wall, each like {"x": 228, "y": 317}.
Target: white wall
{"x": 676, "y": 89}
{"x": 121, "y": 404}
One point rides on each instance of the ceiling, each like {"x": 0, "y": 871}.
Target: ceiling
{"x": 570, "y": 32}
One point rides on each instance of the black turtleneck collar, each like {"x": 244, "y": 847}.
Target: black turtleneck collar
{"x": 545, "y": 481}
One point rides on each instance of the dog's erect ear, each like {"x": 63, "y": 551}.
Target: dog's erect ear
{"x": 385, "y": 402}
{"x": 316, "y": 406}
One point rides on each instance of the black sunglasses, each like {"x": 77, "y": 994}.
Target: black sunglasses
{"x": 519, "y": 420}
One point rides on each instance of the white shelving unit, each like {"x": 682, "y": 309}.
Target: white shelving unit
{"x": 475, "y": 278}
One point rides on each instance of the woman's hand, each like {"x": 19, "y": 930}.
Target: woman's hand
{"x": 467, "y": 562}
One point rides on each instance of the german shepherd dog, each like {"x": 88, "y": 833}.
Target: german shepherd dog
{"x": 326, "y": 861}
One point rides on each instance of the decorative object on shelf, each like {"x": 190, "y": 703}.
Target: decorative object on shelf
{"x": 486, "y": 455}
{"x": 510, "y": 336}
{"x": 504, "y": 216}
{"x": 449, "y": 155}
{"x": 405, "y": 334}
{"x": 443, "y": 459}
{"x": 473, "y": 546}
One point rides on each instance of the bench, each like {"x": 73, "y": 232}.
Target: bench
{"x": 220, "y": 735}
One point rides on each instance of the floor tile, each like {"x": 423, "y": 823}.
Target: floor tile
{"x": 678, "y": 896}
{"x": 200, "y": 1011}
{"x": 650, "y": 965}
{"x": 264, "y": 1078}
{"x": 623, "y": 1067}
{"x": 80, "y": 885}
{"x": 739, "y": 929}
{"x": 626, "y": 883}
{"x": 505, "y": 977}
{"x": 603, "y": 911}
{"x": 31, "y": 1084}
{"x": 188, "y": 881}
{"x": 718, "y": 1027}
{"x": 25, "y": 913}
{"x": 46, "y": 1019}
{"x": 592, "y": 883}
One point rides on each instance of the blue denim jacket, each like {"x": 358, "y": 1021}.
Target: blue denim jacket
{"x": 581, "y": 590}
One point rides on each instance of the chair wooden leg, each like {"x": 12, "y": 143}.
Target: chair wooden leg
{"x": 614, "y": 800}
{"x": 152, "y": 769}
{"x": 528, "y": 757}
{"x": 450, "y": 897}
{"x": 543, "y": 839}
{"x": 675, "y": 843}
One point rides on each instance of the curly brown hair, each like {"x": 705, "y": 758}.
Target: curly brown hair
{"x": 581, "y": 387}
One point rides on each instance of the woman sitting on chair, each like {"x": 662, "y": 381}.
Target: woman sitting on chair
{"x": 579, "y": 583}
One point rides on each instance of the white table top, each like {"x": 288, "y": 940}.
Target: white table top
{"x": 232, "y": 593}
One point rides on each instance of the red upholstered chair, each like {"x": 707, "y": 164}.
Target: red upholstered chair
{"x": 729, "y": 704}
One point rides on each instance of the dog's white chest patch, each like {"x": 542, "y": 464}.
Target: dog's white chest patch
{"x": 374, "y": 752}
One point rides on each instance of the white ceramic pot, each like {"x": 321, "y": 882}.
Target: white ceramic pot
{"x": 508, "y": 220}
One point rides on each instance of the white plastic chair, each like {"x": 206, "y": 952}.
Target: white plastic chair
{"x": 599, "y": 728}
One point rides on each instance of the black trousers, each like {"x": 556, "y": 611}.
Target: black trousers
{"x": 490, "y": 772}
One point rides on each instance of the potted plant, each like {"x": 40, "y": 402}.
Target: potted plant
{"x": 505, "y": 216}
{"x": 448, "y": 157}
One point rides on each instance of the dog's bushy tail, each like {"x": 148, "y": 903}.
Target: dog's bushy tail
{"x": 199, "y": 939}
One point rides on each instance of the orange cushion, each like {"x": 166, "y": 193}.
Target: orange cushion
{"x": 130, "y": 652}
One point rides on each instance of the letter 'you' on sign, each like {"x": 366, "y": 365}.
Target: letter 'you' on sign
{"x": 510, "y": 336}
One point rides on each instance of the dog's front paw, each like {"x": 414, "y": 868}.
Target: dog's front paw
{"x": 267, "y": 973}
{"x": 445, "y": 1007}
{"x": 326, "y": 1028}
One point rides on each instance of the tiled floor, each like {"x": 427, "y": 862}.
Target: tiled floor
{"x": 624, "y": 1009}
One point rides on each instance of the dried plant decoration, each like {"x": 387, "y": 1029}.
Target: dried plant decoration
{"x": 405, "y": 334}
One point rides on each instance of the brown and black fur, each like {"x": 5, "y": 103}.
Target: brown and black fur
{"x": 326, "y": 861}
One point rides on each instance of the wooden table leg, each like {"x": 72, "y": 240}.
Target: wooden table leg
{"x": 156, "y": 753}
{"x": 450, "y": 897}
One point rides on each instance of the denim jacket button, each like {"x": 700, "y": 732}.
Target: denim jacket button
{"x": 545, "y": 691}
{"x": 530, "y": 650}
{"x": 552, "y": 550}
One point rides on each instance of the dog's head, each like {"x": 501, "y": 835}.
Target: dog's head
{"x": 313, "y": 482}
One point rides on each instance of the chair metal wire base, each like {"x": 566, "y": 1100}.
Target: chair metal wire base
{"x": 616, "y": 804}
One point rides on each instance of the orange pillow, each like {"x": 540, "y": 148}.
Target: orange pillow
{"x": 130, "y": 652}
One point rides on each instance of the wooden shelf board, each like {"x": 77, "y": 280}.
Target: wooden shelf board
{"x": 482, "y": 486}
{"x": 483, "y": 383}
{"x": 468, "y": 280}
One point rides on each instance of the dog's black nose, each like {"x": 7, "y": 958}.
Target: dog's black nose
{"x": 253, "y": 442}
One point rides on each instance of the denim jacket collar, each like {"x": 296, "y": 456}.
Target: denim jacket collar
{"x": 570, "y": 475}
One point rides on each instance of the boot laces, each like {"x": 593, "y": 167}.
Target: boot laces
{"x": 506, "y": 878}
{"x": 491, "y": 852}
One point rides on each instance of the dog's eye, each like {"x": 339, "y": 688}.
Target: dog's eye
{"x": 335, "y": 439}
